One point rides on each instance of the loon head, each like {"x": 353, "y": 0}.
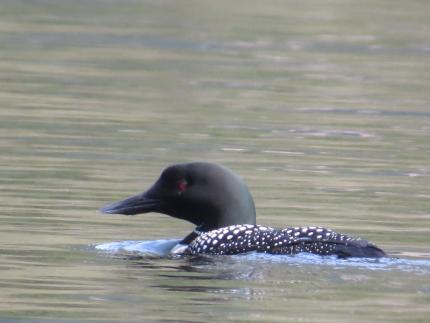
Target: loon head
{"x": 208, "y": 195}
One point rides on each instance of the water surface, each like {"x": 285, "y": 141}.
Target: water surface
{"x": 323, "y": 109}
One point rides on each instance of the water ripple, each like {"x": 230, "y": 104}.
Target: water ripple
{"x": 161, "y": 248}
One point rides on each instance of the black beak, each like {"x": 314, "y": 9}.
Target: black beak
{"x": 133, "y": 205}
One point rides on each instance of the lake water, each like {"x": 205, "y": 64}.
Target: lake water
{"x": 322, "y": 107}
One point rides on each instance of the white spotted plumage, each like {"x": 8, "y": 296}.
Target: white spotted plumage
{"x": 236, "y": 239}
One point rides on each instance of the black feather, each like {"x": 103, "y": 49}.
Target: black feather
{"x": 245, "y": 238}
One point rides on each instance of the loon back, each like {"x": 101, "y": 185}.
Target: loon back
{"x": 289, "y": 241}
{"x": 219, "y": 203}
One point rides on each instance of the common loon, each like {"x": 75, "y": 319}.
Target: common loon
{"x": 219, "y": 203}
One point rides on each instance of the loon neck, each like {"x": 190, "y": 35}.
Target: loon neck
{"x": 191, "y": 236}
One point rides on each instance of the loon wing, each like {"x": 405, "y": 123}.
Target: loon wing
{"x": 322, "y": 241}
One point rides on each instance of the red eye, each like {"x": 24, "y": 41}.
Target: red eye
{"x": 182, "y": 185}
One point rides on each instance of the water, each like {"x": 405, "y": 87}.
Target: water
{"x": 323, "y": 109}
{"x": 162, "y": 249}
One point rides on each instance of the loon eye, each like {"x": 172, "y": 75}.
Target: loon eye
{"x": 182, "y": 185}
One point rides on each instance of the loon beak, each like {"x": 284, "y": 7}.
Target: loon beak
{"x": 133, "y": 205}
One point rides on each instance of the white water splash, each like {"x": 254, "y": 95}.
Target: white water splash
{"x": 160, "y": 248}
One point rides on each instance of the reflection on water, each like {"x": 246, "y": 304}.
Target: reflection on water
{"x": 323, "y": 109}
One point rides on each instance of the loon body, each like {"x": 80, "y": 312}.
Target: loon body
{"x": 219, "y": 203}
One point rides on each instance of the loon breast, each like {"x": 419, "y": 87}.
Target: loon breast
{"x": 237, "y": 239}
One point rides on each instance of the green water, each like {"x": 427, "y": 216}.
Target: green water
{"x": 322, "y": 107}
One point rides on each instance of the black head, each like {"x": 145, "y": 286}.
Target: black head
{"x": 208, "y": 195}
